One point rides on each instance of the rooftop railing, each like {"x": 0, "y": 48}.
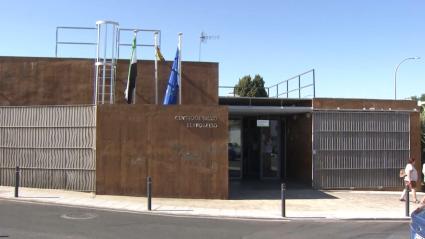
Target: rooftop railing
{"x": 299, "y": 86}
{"x": 62, "y": 30}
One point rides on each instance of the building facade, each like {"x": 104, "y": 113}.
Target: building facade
{"x": 194, "y": 149}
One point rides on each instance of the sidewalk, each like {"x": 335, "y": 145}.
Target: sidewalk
{"x": 301, "y": 204}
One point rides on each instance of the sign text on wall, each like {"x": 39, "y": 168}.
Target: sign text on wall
{"x": 198, "y": 121}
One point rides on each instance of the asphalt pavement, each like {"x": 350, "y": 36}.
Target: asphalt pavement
{"x": 23, "y": 219}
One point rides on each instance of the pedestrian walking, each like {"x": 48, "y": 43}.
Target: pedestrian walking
{"x": 410, "y": 180}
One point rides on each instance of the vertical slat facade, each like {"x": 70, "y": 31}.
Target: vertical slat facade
{"x": 359, "y": 149}
{"x": 53, "y": 145}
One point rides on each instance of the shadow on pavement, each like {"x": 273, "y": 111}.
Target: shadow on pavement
{"x": 39, "y": 197}
{"x": 173, "y": 210}
{"x": 263, "y": 190}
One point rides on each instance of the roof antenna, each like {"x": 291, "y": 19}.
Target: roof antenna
{"x": 203, "y": 39}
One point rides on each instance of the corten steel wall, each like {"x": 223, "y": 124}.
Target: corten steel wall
{"x": 298, "y": 156}
{"x": 134, "y": 141}
{"x": 62, "y": 81}
{"x": 383, "y": 134}
{"x": 45, "y": 81}
{"x": 366, "y": 104}
{"x": 199, "y": 82}
{"x": 53, "y": 145}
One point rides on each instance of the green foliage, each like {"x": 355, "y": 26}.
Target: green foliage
{"x": 416, "y": 98}
{"x": 249, "y": 87}
{"x": 422, "y": 117}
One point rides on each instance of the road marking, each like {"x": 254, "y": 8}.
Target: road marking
{"x": 78, "y": 216}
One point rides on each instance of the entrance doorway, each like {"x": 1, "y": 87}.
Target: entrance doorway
{"x": 256, "y": 148}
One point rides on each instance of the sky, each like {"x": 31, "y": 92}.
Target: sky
{"x": 353, "y": 45}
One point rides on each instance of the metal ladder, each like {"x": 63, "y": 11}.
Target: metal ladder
{"x": 107, "y": 45}
{"x": 105, "y": 80}
{"x": 106, "y": 61}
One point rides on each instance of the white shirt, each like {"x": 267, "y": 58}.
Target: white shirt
{"x": 413, "y": 173}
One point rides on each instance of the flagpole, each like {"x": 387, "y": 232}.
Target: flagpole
{"x": 156, "y": 67}
{"x": 96, "y": 90}
{"x": 180, "y": 67}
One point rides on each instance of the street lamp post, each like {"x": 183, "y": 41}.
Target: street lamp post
{"x": 395, "y": 73}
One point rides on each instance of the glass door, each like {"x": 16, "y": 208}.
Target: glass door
{"x": 270, "y": 150}
{"x": 234, "y": 149}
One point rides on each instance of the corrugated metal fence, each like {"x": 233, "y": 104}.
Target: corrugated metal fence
{"x": 53, "y": 145}
{"x": 359, "y": 149}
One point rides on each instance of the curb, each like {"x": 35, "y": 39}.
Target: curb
{"x": 206, "y": 216}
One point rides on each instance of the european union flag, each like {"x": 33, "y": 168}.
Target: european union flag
{"x": 170, "y": 97}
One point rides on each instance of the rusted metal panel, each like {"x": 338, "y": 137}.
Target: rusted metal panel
{"x": 66, "y": 81}
{"x": 182, "y": 148}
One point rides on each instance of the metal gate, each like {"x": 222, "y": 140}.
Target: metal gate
{"x": 53, "y": 145}
{"x": 359, "y": 149}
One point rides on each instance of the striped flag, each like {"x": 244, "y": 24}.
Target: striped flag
{"x": 132, "y": 74}
{"x": 158, "y": 54}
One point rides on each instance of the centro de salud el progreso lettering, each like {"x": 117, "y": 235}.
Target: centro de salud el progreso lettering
{"x": 191, "y": 121}
{"x": 195, "y": 117}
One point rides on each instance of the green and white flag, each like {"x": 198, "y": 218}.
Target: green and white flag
{"x": 130, "y": 91}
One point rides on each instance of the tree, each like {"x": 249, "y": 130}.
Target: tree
{"x": 251, "y": 87}
{"x": 416, "y": 98}
{"x": 422, "y": 119}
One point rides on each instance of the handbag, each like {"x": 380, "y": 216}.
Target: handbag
{"x": 402, "y": 173}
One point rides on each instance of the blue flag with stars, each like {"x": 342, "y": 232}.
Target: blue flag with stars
{"x": 170, "y": 97}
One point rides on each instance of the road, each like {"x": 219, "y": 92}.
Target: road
{"x": 31, "y": 220}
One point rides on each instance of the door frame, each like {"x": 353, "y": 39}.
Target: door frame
{"x": 261, "y": 161}
{"x": 240, "y": 118}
